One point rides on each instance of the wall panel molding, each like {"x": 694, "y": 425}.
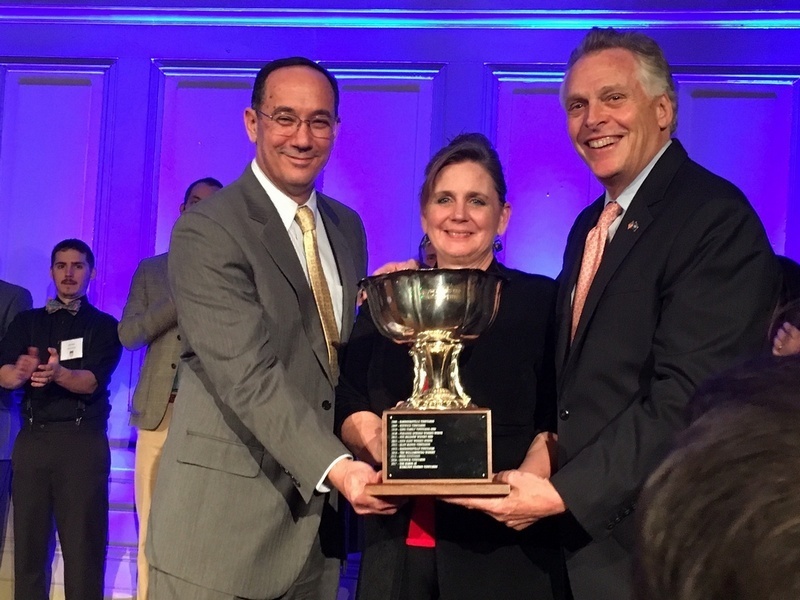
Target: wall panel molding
{"x": 548, "y": 185}
{"x": 54, "y": 124}
{"x": 196, "y": 130}
{"x": 742, "y": 123}
{"x": 392, "y": 116}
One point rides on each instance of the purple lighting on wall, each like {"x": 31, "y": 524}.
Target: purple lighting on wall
{"x": 109, "y": 112}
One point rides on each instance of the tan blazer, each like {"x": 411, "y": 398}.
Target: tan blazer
{"x": 150, "y": 319}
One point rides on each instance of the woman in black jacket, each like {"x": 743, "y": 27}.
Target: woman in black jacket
{"x": 431, "y": 549}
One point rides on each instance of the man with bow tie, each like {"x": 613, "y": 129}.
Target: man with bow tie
{"x": 62, "y": 357}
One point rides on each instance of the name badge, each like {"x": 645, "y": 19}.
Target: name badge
{"x": 71, "y": 349}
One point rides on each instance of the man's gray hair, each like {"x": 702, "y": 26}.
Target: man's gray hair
{"x": 654, "y": 71}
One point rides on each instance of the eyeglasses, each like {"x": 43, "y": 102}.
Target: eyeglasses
{"x": 287, "y": 124}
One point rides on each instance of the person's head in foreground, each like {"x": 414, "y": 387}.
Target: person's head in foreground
{"x": 720, "y": 518}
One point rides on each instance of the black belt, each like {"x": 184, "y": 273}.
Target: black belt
{"x": 72, "y": 425}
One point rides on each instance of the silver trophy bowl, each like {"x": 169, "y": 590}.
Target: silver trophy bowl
{"x": 435, "y": 310}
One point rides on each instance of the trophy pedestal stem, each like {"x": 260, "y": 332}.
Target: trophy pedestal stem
{"x": 437, "y": 382}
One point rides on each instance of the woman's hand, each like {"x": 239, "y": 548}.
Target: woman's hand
{"x": 406, "y": 265}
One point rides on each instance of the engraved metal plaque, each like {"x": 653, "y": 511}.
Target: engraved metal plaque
{"x": 431, "y": 446}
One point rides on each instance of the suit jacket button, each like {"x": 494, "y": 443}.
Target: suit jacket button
{"x": 563, "y": 414}
{"x": 179, "y": 337}
{"x": 174, "y": 366}
{"x": 326, "y": 404}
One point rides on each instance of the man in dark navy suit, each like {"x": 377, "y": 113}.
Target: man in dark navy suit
{"x": 668, "y": 277}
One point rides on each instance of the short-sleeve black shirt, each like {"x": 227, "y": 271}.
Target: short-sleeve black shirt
{"x": 101, "y": 354}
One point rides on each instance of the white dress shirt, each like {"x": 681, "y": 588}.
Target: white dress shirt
{"x": 626, "y": 197}
{"x": 287, "y": 209}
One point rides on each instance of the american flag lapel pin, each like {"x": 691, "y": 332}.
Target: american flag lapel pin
{"x": 633, "y": 226}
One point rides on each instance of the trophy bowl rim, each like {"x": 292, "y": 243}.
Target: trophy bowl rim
{"x": 409, "y": 325}
{"x": 373, "y": 278}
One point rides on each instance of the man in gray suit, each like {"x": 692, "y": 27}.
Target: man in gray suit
{"x": 149, "y": 319}
{"x": 241, "y": 507}
{"x": 13, "y": 299}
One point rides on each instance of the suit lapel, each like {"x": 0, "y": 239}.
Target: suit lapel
{"x": 573, "y": 256}
{"x": 276, "y": 242}
{"x": 343, "y": 253}
{"x": 616, "y": 251}
{"x": 634, "y": 224}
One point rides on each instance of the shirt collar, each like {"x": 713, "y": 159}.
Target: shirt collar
{"x": 84, "y": 300}
{"x": 286, "y": 207}
{"x": 626, "y": 197}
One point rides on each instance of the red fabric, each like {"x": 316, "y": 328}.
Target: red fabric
{"x": 421, "y": 530}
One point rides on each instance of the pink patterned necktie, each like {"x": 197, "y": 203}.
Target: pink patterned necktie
{"x": 592, "y": 254}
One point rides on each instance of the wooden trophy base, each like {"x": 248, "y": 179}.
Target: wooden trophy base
{"x": 438, "y": 489}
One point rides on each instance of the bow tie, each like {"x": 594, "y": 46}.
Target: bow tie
{"x": 54, "y": 305}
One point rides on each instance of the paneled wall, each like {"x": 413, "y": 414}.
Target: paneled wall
{"x": 53, "y": 119}
{"x": 108, "y": 113}
{"x": 745, "y": 125}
